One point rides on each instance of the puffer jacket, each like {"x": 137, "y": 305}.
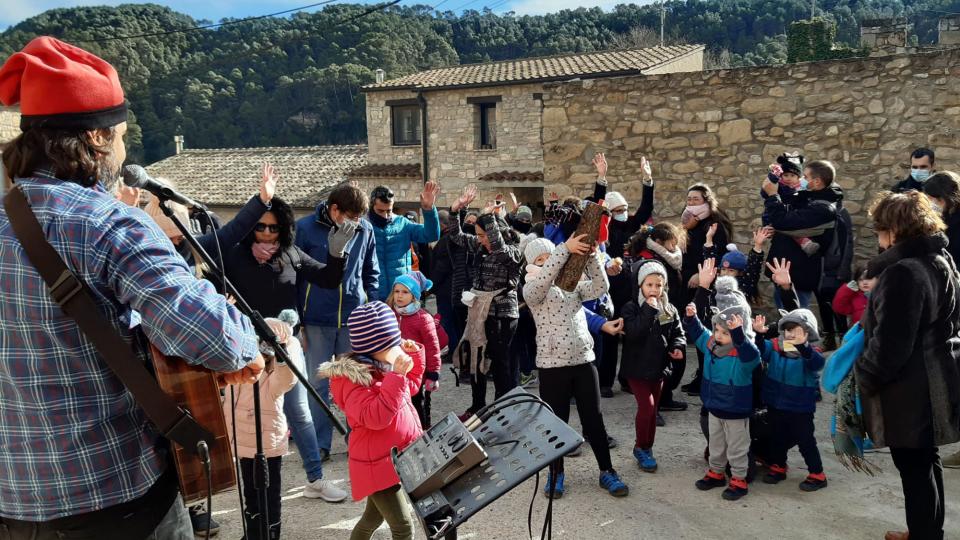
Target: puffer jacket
{"x": 422, "y": 328}
{"x": 274, "y": 423}
{"x": 850, "y": 302}
{"x": 361, "y": 273}
{"x": 790, "y": 384}
{"x": 563, "y": 338}
{"x": 380, "y": 414}
{"x": 727, "y": 387}
{"x": 393, "y": 246}
{"x": 909, "y": 372}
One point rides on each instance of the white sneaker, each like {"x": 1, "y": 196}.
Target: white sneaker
{"x": 324, "y": 489}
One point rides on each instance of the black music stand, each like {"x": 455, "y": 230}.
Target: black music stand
{"x": 520, "y": 440}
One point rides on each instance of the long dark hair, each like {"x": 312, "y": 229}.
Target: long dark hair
{"x": 945, "y": 185}
{"x": 285, "y": 220}
{"x": 661, "y": 232}
{"x": 716, "y": 212}
{"x": 70, "y": 153}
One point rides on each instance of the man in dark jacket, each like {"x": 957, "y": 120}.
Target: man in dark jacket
{"x": 921, "y": 167}
{"x": 813, "y": 210}
{"x": 325, "y": 311}
{"x": 909, "y": 372}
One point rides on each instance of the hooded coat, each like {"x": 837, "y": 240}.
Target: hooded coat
{"x": 380, "y": 414}
{"x": 650, "y": 334}
{"x": 909, "y": 374}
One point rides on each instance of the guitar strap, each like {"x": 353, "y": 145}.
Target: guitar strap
{"x": 73, "y": 297}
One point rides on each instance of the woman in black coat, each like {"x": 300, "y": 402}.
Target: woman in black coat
{"x": 943, "y": 189}
{"x": 702, "y": 211}
{"x": 265, "y": 266}
{"x": 908, "y": 373}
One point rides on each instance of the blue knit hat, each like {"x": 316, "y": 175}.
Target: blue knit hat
{"x": 734, "y": 259}
{"x": 415, "y": 282}
{"x": 373, "y": 328}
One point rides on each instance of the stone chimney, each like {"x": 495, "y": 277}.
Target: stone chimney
{"x": 949, "y": 30}
{"x": 885, "y": 36}
{"x": 178, "y": 141}
{"x": 381, "y": 74}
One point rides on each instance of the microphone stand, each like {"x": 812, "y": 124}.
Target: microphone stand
{"x": 260, "y": 476}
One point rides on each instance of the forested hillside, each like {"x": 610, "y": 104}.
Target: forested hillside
{"x": 296, "y": 80}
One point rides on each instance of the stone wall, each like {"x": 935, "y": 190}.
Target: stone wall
{"x": 455, "y": 159}
{"x": 724, "y": 128}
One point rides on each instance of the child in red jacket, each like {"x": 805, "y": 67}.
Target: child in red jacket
{"x": 373, "y": 385}
{"x": 418, "y": 325}
{"x": 851, "y": 299}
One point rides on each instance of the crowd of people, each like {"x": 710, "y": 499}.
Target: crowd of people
{"x": 346, "y": 291}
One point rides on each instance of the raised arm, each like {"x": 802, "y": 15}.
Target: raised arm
{"x": 429, "y": 231}
{"x": 645, "y": 210}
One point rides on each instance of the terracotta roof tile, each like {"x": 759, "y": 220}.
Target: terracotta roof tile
{"x": 386, "y": 170}
{"x": 595, "y": 64}
{"x": 512, "y": 176}
{"x": 230, "y": 176}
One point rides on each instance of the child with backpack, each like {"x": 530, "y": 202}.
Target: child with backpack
{"x": 653, "y": 343}
{"x": 417, "y": 325}
{"x": 790, "y": 386}
{"x": 373, "y": 385}
{"x": 727, "y": 386}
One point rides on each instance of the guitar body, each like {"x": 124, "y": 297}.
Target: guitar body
{"x": 195, "y": 388}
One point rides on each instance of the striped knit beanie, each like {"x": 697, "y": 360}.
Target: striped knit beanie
{"x": 373, "y": 328}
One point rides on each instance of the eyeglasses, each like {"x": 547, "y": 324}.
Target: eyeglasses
{"x": 260, "y": 227}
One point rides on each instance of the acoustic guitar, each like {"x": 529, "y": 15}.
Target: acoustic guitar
{"x": 196, "y": 389}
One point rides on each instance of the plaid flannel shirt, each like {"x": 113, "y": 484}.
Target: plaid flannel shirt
{"x": 498, "y": 268}
{"x": 72, "y": 439}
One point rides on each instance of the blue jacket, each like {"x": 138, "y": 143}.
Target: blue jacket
{"x": 790, "y": 384}
{"x": 331, "y": 307}
{"x": 727, "y": 387}
{"x": 393, "y": 246}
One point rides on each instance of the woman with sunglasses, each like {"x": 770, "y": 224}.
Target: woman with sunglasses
{"x": 265, "y": 266}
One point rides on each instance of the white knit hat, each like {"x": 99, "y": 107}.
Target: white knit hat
{"x": 536, "y": 248}
{"x": 615, "y": 199}
{"x": 651, "y": 267}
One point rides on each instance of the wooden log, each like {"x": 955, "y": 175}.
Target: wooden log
{"x": 572, "y": 270}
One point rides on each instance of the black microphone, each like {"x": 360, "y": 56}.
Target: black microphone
{"x": 136, "y": 176}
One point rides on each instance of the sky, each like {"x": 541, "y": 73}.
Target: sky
{"x": 14, "y": 11}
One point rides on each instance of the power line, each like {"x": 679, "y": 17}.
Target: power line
{"x": 206, "y": 26}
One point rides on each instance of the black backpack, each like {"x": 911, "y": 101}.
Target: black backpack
{"x": 838, "y": 256}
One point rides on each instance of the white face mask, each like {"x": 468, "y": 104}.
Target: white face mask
{"x": 533, "y": 269}
{"x": 622, "y": 216}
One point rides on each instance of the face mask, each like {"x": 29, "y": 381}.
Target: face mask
{"x": 409, "y": 309}
{"x": 621, "y": 217}
{"x": 522, "y": 227}
{"x": 920, "y": 175}
{"x": 803, "y": 183}
{"x": 533, "y": 269}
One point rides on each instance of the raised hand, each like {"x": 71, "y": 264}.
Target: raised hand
{"x": 600, "y": 164}
{"x": 514, "y": 205}
{"x": 711, "y": 231}
{"x": 645, "y": 170}
{"x": 760, "y": 324}
{"x": 780, "y": 273}
{"x": 691, "y": 310}
{"x": 579, "y": 245}
{"x": 268, "y": 183}
{"x": 769, "y": 187}
{"x": 734, "y": 321}
{"x": 428, "y": 197}
{"x": 707, "y": 272}
{"x": 340, "y": 236}
{"x": 553, "y": 197}
{"x": 760, "y": 236}
{"x": 614, "y": 327}
{"x": 466, "y": 198}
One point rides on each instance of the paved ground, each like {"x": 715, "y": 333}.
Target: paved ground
{"x": 660, "y": 505}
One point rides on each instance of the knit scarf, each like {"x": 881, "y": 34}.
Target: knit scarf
{"x": 701, "y": 212}
{"x": 673, "y": 258}
{"x": 379, "y": 221}
{"x": 475, "y": 334}
{"x": 263, "y": 251}
{"x": 718, "y": 350}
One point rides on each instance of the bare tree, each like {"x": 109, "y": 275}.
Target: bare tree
{"x": 716, "y": 59}
{"x": 637, "y": 37}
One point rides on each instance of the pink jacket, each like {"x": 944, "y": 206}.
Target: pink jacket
{"x": 850, "y": 303}
{"x": 422, "y": 328}
{"x": 273, "y": 421}
{"x": 380, "y": 414}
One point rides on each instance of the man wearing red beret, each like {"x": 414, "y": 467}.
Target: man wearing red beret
{"x": 78, "y": 458}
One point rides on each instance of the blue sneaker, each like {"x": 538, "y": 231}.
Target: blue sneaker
{"x": 645, "y": 459}
{"x": 611, "y": 482}
{"x": 557, "y": 489}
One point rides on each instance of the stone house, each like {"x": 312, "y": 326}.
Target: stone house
{"x": 483, "y": 122}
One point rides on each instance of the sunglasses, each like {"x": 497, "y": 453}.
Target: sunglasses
{"x": 260, "y": 227}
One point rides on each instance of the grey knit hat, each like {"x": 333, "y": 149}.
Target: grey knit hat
{"x": 651, "y": 267}
{"x": 731, "y": 301}
{"x": 803, "y": 317}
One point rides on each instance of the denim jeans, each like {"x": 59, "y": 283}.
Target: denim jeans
{"x": 296, "y": 407}
{"x": 321, "y": 343}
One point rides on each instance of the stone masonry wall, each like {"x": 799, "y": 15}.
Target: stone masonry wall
{"x": 724, "y": 128}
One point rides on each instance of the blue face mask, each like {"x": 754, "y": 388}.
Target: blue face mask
{"x": 622, "y": 216}
{"x": 803, "y": 183}
{"x": 409, "y": 309}
{"x": 920, "y": 175}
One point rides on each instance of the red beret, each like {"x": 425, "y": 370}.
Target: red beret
{"x": 61, "y": 86}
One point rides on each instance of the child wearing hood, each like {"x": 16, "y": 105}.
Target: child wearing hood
{"x": 789, "y": 389}
{"x": 373, "y": 385}
{"x": 417, "y": 325}
{"x": 653, "y": 344}
{"x": 730, "y": 357}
